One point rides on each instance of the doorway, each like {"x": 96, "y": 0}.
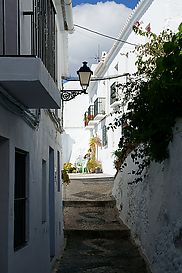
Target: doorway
{"x": 4, "y": 202}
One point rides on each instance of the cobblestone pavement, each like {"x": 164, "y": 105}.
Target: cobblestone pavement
{"x": 97, "y": 241}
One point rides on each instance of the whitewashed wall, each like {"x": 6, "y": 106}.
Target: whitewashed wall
{"x": 152, "y": 208}
{"x": 76, "y": 137}
{"x": 15, "y": 133}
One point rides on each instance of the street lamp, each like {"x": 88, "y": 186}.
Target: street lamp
{"x": 84, "y": 74}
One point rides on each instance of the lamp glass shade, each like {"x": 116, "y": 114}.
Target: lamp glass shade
{"x": 84, "y": 74}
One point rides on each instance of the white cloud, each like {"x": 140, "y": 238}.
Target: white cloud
{"x": 106, "y": 18}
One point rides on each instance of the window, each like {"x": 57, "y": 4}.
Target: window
{"x": 9, "y": 27}
{"x": 44, "y": 34}
{"x": 114, "y": 94}
{"x": 99, "y": 106}
{"x": 31, "y": 32}
{"x": 44, "y": 191}
{"x": 2, "y": 27}
{"x": 104, "y": 135}
{"x": 58, "y": 171}
{"x": 20, "y": 199}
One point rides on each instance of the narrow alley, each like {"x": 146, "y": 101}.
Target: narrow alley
{"x": 96, "y": 240}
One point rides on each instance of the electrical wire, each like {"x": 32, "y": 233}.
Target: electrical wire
{"x": 98, "y": 78}
{"x": 104, "y": 35}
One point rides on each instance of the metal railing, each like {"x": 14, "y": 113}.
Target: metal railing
{"x": 91, "y": 112}
{"x": 41, "y": 28}
{"x": 86, "y": 119}
{"x": 99, "y": 106}
{"x": 89, "y": 115}
{"x": 114, "y": 94}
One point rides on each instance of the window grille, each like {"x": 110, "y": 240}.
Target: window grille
{"x": 20, "y": 199}
{"x": 99, "y": 106}
{"x": 91, "y": 112}
{"x": 42, "y": 33}
{"x": 104, "y": 135}
{"x": 114, "y": 94}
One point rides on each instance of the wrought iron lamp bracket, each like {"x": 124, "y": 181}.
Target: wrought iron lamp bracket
{"x": 67, "y": 95}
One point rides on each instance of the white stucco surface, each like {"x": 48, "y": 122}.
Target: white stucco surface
{"x": 38, "y": 139}
{"x": 152, "y": 208}
{"x": 34, "y": 257}
{"x": 76, "y": 137}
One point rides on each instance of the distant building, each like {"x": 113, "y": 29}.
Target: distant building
{"x": 75, "y": 138}
{"x": 33, "y": 57}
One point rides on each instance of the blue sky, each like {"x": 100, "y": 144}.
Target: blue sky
{"x": 129, "y": 3}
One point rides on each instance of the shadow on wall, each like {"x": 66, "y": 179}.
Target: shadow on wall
{"x": 67, "y": 144}
{"x": 151, "y": 208}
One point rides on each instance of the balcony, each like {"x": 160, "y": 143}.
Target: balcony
{"x": 114, "y": 95}
{"x": 86, "y": 121}
{"x": 99, "y": 108}
{"x": 28, "y": 70}
{"x": 91, "y": 116}
{"x": 27, "y": 80}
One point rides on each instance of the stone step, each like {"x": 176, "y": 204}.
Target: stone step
{"x": 92, "y": 218}
{"x": 81, "y": 190}
{"x": 89, "y": 203}
{"x": 94, "y": 180}
{"x": 96, "y": 239}
{"x": 109, "y": 234}
{"x": 91, "y": 178}
{"x": 86, "y": 252}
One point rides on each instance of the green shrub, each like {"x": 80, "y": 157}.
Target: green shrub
{"x": 93, "y": 164}
{"x": 65, "y": 177}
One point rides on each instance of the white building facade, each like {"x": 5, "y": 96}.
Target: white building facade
{"x": 150, "y": 208}
{"x": 119, "y": 61}
{"x": 33, "y": 39}
{"x": 76, "y": 139}
{"x": 76, "y": 135}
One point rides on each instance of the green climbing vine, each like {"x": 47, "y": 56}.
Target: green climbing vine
{"x": 152, "y": 99}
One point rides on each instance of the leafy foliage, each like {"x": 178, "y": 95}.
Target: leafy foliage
{"x": 93, "y": 164}
{"x": 153, "y": 98}
{"x": 69, "y": 167}
{"x": 65, "y": 177}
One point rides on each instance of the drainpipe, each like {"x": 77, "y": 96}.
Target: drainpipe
{"x": 68, "y": 16}
{"x": 65, "y": 16}
{"x": 66, "y": 6}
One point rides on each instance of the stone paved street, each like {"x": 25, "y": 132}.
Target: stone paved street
{"x": 96, "y": 240}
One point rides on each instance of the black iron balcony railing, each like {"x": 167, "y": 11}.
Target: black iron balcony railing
{"x": 99, "y": 106}
{"x": 39, "y": 37}
{"x": 86, "y": 119}
{"x": 89, "y": 115}
{"x": 91, "y": 112}
{"x": 114, "y": 94}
